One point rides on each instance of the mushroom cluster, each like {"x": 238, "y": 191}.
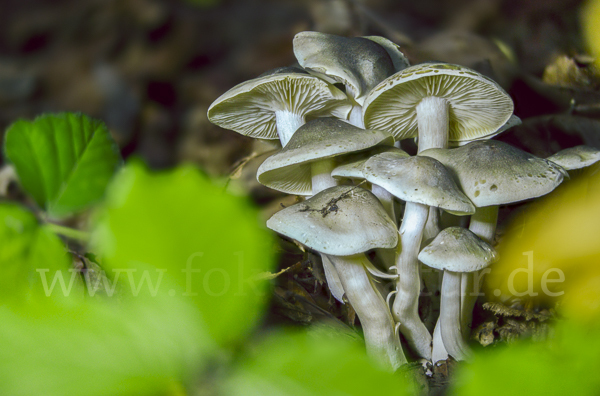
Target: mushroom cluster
{"x": 339, "y": 116}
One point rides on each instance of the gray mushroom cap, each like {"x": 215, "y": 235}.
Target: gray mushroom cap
{"x": 576, "y": 157}
{"x": 399, "y": 60}
{"x": 290, "y": 169}
{"x": 359, "y": 63}
{"x": 353, "y": 167}
{"x": 418, "y": 179}
{"x": 339, "y": 221}
{"x": 491, "y": 172}
{"x": 478, "y": 106}
{"x": 249, "y": 108}
{"x": 457, "y": 249}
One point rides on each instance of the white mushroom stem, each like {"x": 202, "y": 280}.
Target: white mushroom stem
{"x": 380, "y": 337}
{"x": 483, "y": 224}
{"x": 408, "y": 286}
{"x": 439, "y": 351}
{"x": 433, "y": 123}
{"x": 321, "y": 175}
{"x": 386, "y": 199}
{"x": 287, "y": 124}
{"x": 356, "y": 116}
{"x": 432, "y": 278}
{"x": 450, "y": 317}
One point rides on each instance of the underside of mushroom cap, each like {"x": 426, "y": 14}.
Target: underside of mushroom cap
{"x": 491, "y": 172}
{"x": 418, "y": 179}
{"x": 249, "y": 108}
{"x": 359, "y": 63}
{"x": 353, "y": 167}
{"x": 576, "y": 157}
{"x": 339, "y": 221}
{"x": 457, "y": 249}
{"x": 289, "y": 170}
{"x": 478, "y": 106}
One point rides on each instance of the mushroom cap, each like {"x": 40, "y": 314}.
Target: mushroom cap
{"x": 339, "y": 221}
{"x": 478, "y": 106}
{"x": 290, "y": 170}
{"x": 353, "y": 167}
{"x": 359, "y": 63}
{"x": 249, "y": 108}
{"x": 457, "y": 249}
{"x": 512, "y": 121}
{"x": 491, "y": 172}
{"x": 399, "y": 60}
{"x": 576, "y": 157}
{"x": 417, "y": 179}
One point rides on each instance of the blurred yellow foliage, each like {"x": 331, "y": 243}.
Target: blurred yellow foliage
{"x": 590, "y": 20}
{"x": 553, "y": 250}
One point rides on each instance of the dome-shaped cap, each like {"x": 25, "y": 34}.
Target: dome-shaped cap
{"x": 353, "y": 167}
{"x": 290, "y": 171}
{"x": 339, "y": 221}
{"x": 576, "y": 157}
{"x": 359, "y": 63}
{"x": 249, "y": 108}
{"x": 418, "y": 179}
{"x": 478, "y": 106}
{"x": 457, "y": 249}
{"x": 491, "y": 172}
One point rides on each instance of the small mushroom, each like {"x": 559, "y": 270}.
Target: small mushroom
{"x": 455, "y": 250}
{"x": 277, "y": 103}
{"x": 304, "y": 166}
{"x": 342, "y": 223}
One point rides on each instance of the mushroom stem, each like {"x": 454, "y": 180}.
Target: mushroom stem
{"x": 386, "y": 199}
{"x": 356, "y": 116}
{"x": 287, "y": 124}
{"x": 483, "y": 224}
{"x": 433, "y": 123}
{"x": 380, "y": 337}
{"x": 431, "y": 277}
{"x": 439, "y": 351}
{"x": 408, "y": 286}
{"x": 321, "y": 175}
{"x": 450, "y": 317}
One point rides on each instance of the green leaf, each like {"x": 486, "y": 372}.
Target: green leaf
{"x": 189, "y": 239}
{"x": 64, "y": 161}
{"x": 29, "y": 254}
{"x": 96, "y": 348}
{"x": 309, "y": 364}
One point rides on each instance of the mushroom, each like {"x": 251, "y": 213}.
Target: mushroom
{"x": 358, "y": 63}
{"x": 421, "y": 183}
{"x": 304, "y": 165}
{"x": 438, "y": 102}
{"x": 493, "y": 173}
{"x": 455, "y": 250}
{"x": 277, "y": 103}
{"x": 575, "y": 158}
{"x": 342, "y": 223}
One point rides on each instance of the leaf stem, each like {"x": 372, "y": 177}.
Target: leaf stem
{"x": 69, "y": 232}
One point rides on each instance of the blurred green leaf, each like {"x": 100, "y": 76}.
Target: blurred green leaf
{"x": 565, "y": 365}
{"x": 98, "y": 348}
{"x": 63, "y": 160}
{"x": 28, "y": 252}
{"x": 313, "y": 364}
{"x": 187, "y": 238}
